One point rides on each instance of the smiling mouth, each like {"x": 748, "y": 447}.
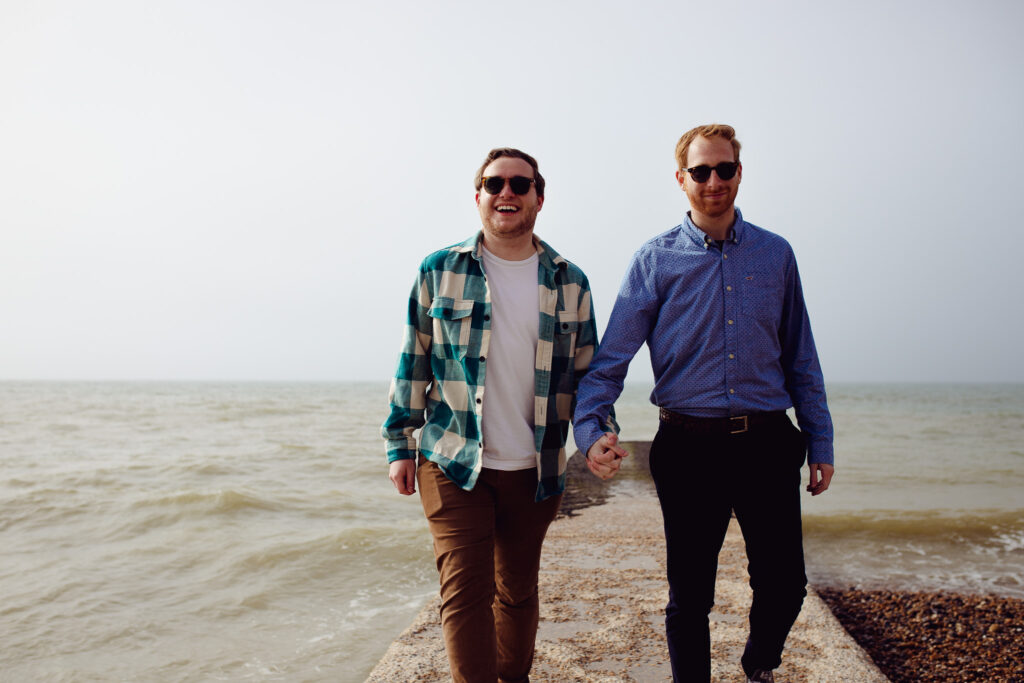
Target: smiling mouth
{"x": 506, "y": 209}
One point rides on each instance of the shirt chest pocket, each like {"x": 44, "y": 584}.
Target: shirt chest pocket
{"x": 567, "y": 325}
{"x": 761, "y": 296}
{"x": 452, "y": 323}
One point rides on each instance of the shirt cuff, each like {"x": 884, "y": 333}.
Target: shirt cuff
{"x": 820, "y": 453}
{"x": 586, "y": 434}
{"x": 399, "y": 450}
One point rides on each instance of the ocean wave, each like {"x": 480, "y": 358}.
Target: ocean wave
{"x": 44, "y": 507}
{"x": 360, "y": 548}
{"x": 971, "y": 552}
{"x": 220, "y": 501}
{"x": 998, "y": 529}
{"x": 157, "y": 511}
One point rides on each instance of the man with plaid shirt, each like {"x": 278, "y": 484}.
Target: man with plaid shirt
{"x": 500, "y": 330}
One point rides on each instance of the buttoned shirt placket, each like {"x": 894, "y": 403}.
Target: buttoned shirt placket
{"x": 728, "y": 270}
{"x": 485, "y": 345}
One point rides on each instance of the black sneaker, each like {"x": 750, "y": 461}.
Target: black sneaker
{"x": 762, "y": 676}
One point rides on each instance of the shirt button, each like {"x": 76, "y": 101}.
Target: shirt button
{"x": 730, "y": 322}
{"x": 487, "y": 317}
{"x": 732, "y": 391}
{"x": 730, "y": 357}
{"x": 482, "y": 359}
{"x": 565, "y": 326}
{"x": 479, "y": 400}
{"x": 728, "y": 288}
{"x": 725, "y": 256}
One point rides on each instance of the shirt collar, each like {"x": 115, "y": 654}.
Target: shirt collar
{"x": 701, "y": 239}
{"x": 548, "y": 257}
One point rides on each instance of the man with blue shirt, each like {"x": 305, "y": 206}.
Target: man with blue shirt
{"x": 719, "y": 303}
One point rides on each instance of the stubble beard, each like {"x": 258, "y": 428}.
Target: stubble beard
{"x": 528, "y": 217}
{"x": 714, "y": 209}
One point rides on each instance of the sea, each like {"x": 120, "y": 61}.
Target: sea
{"x": 171, "y": 531}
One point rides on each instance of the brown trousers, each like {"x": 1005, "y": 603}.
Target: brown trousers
{"x": 487, "y": 544}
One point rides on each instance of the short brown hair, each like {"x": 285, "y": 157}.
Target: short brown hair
{"x": 708, "y": 131}
{"x": 497, "y": 153}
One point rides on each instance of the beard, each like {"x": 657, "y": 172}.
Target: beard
{"x": 713, "y": 207}
{"x": 509, "y": 227}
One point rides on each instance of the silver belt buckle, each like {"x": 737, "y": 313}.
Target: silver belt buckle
{"x": 741, "y": 429}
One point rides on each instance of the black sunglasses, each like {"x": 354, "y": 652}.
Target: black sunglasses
{"x": 725, "y": 170}
{"x": 519, "y": 184}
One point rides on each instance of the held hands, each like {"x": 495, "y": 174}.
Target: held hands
{"x": 821, "y": 477}
{"x": 605, "y": 457}
{"x": 402, "y": 474}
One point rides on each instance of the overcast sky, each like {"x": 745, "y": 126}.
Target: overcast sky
{"x": 244, "y": 189}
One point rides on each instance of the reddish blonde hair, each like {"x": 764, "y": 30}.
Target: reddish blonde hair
{"x": 708, "y": 131}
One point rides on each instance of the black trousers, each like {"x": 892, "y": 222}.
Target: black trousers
{"x": 701, "y": 479}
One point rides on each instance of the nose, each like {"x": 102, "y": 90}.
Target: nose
{"x": 506, "y": 189}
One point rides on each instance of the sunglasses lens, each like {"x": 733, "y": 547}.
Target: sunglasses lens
{"x": 700, "y": 173}
{"x": 726, "y": 170}
{"x": 494, "y": 184}
{"x": 519, "y": 184}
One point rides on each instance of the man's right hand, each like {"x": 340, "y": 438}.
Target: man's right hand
{"x": 605, "y": 457}
{"x": 403, "y": 475}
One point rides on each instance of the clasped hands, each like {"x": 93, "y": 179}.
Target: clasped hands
{"x": 605, "y": 457}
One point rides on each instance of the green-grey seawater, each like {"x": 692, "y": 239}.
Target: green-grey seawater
{"x": 201, "y": 531}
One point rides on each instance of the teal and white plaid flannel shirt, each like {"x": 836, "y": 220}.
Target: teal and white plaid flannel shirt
{"x": 439, "y": 383}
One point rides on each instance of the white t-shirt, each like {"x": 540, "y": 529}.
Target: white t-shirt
{"x": 507, "y": 421}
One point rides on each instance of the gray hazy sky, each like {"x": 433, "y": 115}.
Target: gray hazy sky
{"x": 243, "y": 189}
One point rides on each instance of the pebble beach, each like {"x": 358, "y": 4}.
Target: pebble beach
{"x": 931, "y": 637}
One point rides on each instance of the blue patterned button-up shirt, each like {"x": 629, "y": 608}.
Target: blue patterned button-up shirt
{"x": 727, "y": 330}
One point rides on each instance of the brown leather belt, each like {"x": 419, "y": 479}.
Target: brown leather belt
{"x": 736, "y": 424}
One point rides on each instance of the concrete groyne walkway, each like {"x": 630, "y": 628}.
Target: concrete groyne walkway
{"x": 603, "y": 594}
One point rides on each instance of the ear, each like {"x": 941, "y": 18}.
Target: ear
{"x": 540, "y": 203}
{"x": 681, "y": 178}
{"x": 739, "y": 173}
{"x": 477, "y": 197}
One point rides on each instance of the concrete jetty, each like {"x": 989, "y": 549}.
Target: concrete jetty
{"x": 603, "y": 593}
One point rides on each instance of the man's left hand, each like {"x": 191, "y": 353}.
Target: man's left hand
{"x": 605, "y": 457}
{"x": 821, "y": 477}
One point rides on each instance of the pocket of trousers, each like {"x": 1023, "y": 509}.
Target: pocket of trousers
{"x": 430, "y": 478}
{"x": 799, "y": 445}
